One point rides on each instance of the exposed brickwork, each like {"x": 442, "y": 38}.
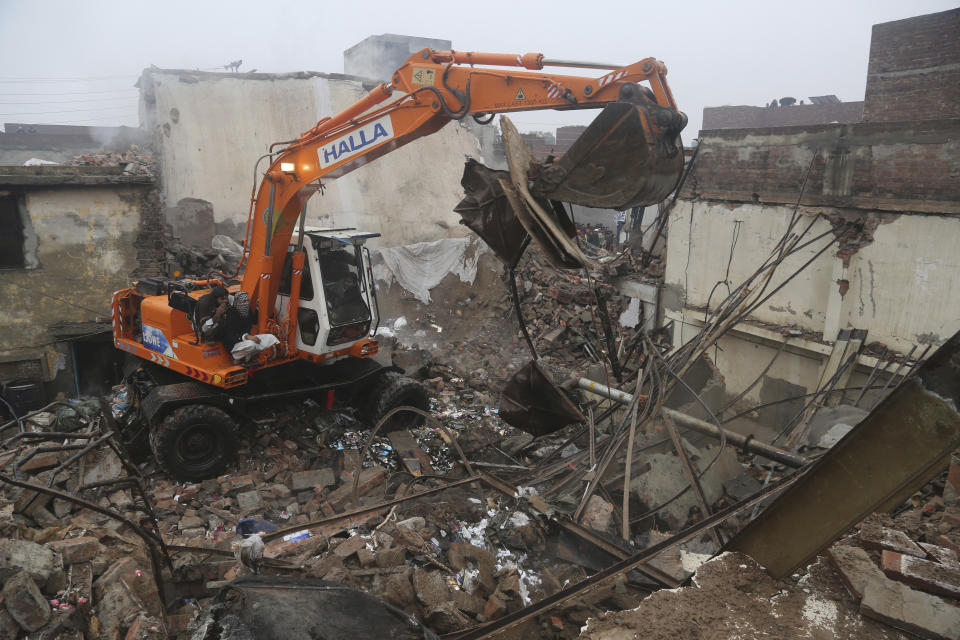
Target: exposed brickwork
{"x": 743, "y": 117}
{"x": 151, "y": 256}
{"x": 914, "y": 71}
{"x": 902, "y": 167}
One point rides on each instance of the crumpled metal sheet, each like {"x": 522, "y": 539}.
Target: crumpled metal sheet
{"x": 546, "y": 221}
{"x": 532, "y": 402}
{"x": 280, "y": 607}
{"x": 487, "y": 212}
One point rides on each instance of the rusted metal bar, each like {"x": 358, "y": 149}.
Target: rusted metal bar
{"x": 873, "y": 374}
{"x": 45, "y": 435}
{"x": 892, "y": 452}
{"x": 152, "y": 539}
{"x": 29, "y": 456}
{"x": 27, "y": 417}
{"x": 701, "y": 426}
{"x": 516, "y": 307}
{"x": 632, "y": 562}
{"x": 892, "y": 377}
{"x": 366, "y": 446}
{"x": 608, "y": 334}
{"x": 585, "y": 533}
{"x": 689, "y": 472}
{"x": 90, "y": 446}
{"x": 374, "y": 507}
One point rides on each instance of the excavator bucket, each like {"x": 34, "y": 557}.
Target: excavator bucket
{"x": 487, "y": 212}
{"x": 630, "y": 156}
{"x": 532, "y": 402}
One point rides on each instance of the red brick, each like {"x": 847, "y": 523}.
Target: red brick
{"x": 75, "y": 550}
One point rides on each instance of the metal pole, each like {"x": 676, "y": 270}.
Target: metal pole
{"x": 701, "y": 426}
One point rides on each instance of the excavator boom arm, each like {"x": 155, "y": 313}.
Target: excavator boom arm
{"x": 434, "y": 87}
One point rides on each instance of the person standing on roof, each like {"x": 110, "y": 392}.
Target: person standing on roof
{"x": 621, "y": 218}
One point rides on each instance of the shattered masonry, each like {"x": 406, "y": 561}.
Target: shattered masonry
{"x": 799, "y": 292}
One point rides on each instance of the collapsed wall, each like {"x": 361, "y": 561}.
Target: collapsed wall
{"x": 878, "y": 201}
{"x": 209, "y": 129}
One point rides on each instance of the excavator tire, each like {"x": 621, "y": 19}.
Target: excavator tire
{"x": 195, "y": 442}
{"x": 394, "y": 390}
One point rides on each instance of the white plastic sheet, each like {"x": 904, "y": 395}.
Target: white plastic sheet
{"x": 247, "y": 348}
{"x": 420, "y": 267}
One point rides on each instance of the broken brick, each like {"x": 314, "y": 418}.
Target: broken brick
{"x": 904, "y": 608}
{"x": 38, "y": 561}
{"x": 76, "y": 550}
{"x": 24, "y": 602}
{"x": 495, "y": 608}
{"x": 350, "y": 546}
{"x": 597, "y": 514}
{"x": 446, "y": 618}
{"x": 145, "y": 628}
{"x": 391, "y": 557}
{"x": 303, "y": 480}
{"x": 366, "y": 557}
{"x": 923, "y": 574}
{"x": 883, "y": 538}
{"x": 943, "y": 555}
{"x": 855, "y": 567}
{"x": 431, "y": 588}
{"x": 8, "y": 626}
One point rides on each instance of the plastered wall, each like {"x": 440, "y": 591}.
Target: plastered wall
{"x": 209, "y": 129}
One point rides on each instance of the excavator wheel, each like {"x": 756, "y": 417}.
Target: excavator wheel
{"x": 394, "y": 390}
{"x": 194, "y": 442}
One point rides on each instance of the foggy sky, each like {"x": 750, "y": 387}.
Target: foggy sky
{"x": 75, "y": 62}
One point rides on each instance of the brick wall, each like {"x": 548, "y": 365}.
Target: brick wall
{"x": 903, "y": 166}
{"x": 744, "y": 117}
{"x": 151, "y": 255}
{"x": 914, "y": 70}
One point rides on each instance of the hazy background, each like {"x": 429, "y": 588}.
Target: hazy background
{"x": 75, "y": 62}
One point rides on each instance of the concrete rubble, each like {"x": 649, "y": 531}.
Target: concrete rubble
{"x": 310, "y": 502}
{"x": 620, "y": 522}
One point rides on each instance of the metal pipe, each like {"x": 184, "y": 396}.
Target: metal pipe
{"x": 553, "y": 62}
{"x": 701, "y": 426}
{"x": 267, "y": 240}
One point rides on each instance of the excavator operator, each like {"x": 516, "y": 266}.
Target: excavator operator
{"x": 220, "y": 321}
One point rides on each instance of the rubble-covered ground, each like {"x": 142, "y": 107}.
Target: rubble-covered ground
{"x": 307, "y": 500}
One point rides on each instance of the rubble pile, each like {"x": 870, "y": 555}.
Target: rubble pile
{"x": 134, "y": 161}
{"x": 453, "y": 558}
{"x": 894, "y": 577}
{"x": 223, "y": 255}
{"x": 75, "y": 533}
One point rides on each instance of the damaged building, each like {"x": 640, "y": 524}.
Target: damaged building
{"x": 881, "y": 195}
{"x": 445, "y": 405}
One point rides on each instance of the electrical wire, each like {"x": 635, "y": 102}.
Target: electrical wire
{"x": 66, "y": 339}
{"x": 47, "y": 113}
{"x": 65, "y": 79}
{"x": 70, "y": 101}
{"x": 47, "y": 295}
{"x": 70, "y": 93}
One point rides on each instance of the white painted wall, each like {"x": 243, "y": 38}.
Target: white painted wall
{"x": 84, "y": 252}
{"x": 210, "y": 129}
{"x": 904, "y": 287}
{"x": 698, "y": 251}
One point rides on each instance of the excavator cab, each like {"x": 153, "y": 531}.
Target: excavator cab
{"x": 338, "y": 304}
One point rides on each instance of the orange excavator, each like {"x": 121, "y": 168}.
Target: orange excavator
{"x": 309, "y": 293}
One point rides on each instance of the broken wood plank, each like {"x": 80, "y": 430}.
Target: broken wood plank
{"x": 411, "y": 455}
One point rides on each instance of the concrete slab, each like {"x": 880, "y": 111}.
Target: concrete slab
{"x": 923, "y": 574}
{"x": 913, "y": 611}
